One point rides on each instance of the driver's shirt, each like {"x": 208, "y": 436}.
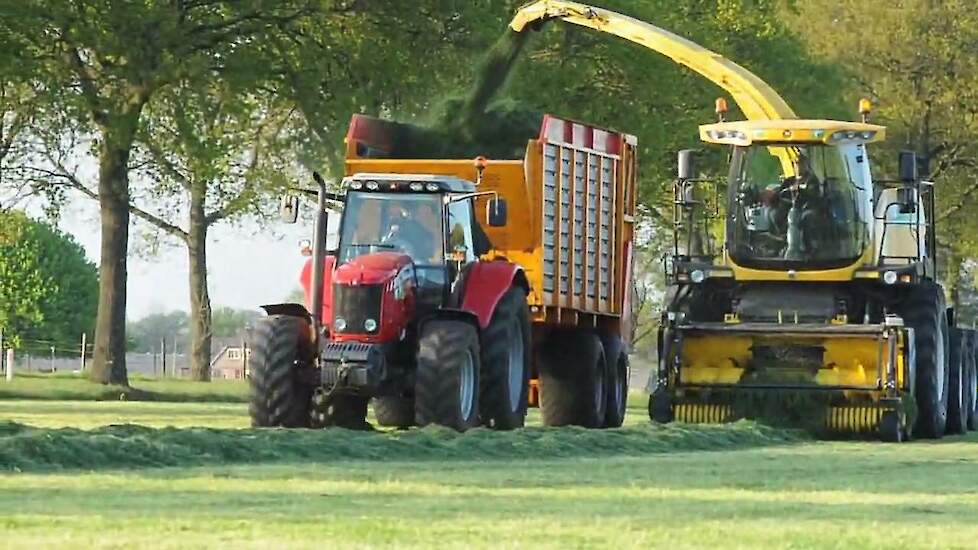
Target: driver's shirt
{"x": 419, "y": 237}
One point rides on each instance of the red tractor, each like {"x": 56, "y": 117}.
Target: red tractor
{"x": 404, "y": 312}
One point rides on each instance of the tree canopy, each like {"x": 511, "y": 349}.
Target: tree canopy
{"x": 48, "y": 288}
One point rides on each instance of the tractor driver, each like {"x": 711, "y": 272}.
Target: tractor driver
{"x": 407, "y": 230}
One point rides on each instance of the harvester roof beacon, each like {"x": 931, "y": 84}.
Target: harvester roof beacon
{"x": 807, "y": 292}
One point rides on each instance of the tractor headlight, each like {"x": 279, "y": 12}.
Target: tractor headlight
{"x": 697, "y": 276}
{"x": 370, "y": 325}
{"x": 356, "y": 185}
{"x": 339, "y": 324}
{"x": 890, "y": 277}
{"x": 416, "y": 186}
{"x": 432, "y": 187}
{"x": 372, "y": 186}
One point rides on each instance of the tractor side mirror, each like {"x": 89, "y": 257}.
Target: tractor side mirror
{"x": 908, "y": 166}
{"x": 288, "y": 208}
{"x": 685, "y": 164}
{"x": 496, "y": 212}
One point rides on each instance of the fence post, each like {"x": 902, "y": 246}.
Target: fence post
{"x": 2, "y": 354}
{"x": 84, "y": 345}
{"x": 10, "y": 364}
{"x": 163, "y": 354}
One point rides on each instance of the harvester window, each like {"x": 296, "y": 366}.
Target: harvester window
{"x": 798, "y": 206}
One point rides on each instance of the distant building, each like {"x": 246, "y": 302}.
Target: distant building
{"x": 231, "y": 360}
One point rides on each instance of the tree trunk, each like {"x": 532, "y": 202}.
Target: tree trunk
{"x": 200, "y": 302}
{"x": 109, "y": 363}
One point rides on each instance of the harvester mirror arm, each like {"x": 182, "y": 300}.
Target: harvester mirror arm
{"x": 335, "y": 197}
{"x": 319, "y": 256}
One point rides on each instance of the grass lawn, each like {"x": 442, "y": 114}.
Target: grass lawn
{"x": 61, "y": 387}
{"x": 640, "y": 486}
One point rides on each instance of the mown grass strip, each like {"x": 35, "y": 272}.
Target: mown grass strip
{"x": 25, "y": 448}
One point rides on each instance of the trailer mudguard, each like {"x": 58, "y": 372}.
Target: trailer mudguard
{"x": 485, "y": 283}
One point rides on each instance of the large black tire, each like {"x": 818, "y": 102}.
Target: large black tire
{"x": 394, "y": 411}
{"x": 923, "y": 309}
{"x": 616, "y": 381}
{"x": 572, "y": 377}
{"x": 957, "y": 420}
{"x": 341, "y": 411}
{"x": 446, "y": 390}
{"x": 506, "y": 360}
{"x": 278, "y": 399}
{"x": 971, "y": 382}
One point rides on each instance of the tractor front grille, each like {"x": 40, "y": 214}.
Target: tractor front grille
{"x": 356, "y": 304}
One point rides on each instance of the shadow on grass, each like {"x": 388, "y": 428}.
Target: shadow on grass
{"x": 25, "y": 448}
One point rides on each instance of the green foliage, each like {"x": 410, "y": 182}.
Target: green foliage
{"x": 146, "y": 334}
{"x": 914, "y": 60}
{"x": 229, "y": 322}
{"x": 48, "y": 288}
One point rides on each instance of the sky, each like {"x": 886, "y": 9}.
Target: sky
{"x": 247, "y": 266}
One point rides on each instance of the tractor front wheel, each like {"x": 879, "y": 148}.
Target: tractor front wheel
{"x": 279, "y": 349}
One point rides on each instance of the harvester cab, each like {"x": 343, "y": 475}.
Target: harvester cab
{"x": 804, "y": 291}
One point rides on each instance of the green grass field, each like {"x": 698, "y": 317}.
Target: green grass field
{"x": 208, "y": 482}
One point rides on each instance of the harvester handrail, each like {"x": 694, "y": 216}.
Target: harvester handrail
{"x": 756, "y": 98}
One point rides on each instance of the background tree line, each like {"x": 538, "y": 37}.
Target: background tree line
{"x": 198, "y": 111}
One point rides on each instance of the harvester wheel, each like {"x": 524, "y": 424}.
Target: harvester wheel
{"x": 572, "y": 380}
{"x": 279, "y": 349}
{"x": 394, "y": 411}
{"x": 616, "y": 381}
{"x": 891, "y": 427}
{"x": 660, "y": 406}
{"x": 957, "y": 421}
{"x": 342, "y": 411}
{"x": 971, "y": 382}
{"x": 447, "y": 387}
{"x": 923, "y": 309}
{"x": 506, "y": 363}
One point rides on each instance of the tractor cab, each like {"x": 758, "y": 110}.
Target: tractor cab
{"x": 422, "y": 224}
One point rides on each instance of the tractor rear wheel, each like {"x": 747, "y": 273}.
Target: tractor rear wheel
{"x": 279, "y": 349}
{"x": 572, "y": 380}
{"x": 957, "y": 421}
{"x": 447, "y": 386}
{"x": 923, "y": 309}
{"x": 394, "y": 411}
{"x": 506, "y": 363}
{"x": 616, "y": 382}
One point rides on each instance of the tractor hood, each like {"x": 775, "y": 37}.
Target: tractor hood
{"x": 371, "y": 269}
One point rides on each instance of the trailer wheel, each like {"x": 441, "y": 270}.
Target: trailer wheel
{"x": 278, "y": 398}
{"x": 957, "y": 421}
{"x": 971, "y": 382}
{"x": 572, "y": 380}
{"x": 341, "y": 411}
{"x": 394, "y": 411}
{"x": 923, "y": 309}
{"x": 506, "y": 363}
{"x": 617, "y": 369}
{"x": 891, "y": 427}
{"x": 447, "y": 386}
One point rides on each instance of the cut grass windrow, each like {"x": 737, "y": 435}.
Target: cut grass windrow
{"x": 25, "y": 448}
